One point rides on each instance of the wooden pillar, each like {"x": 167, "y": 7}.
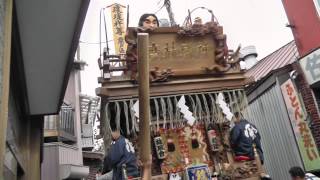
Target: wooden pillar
{"x": 4, "y": 84}
{"x": 144, "y": 102}
{"x": 34, "y": 163}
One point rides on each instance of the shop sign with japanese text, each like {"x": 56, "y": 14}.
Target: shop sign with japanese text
{"x": 310, "y": 65}
{"x": 303, "y": 135}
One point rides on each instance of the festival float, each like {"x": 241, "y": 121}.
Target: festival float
{"x": 173, "y": 93}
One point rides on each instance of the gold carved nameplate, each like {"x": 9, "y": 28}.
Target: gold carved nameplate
{"x": 175, "y": 51}
{"x": 182, "y": 55}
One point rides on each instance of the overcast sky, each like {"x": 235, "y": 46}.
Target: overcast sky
{"x": 247, "y": 22}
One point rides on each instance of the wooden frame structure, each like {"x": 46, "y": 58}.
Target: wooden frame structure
{"x": 193, "y": 62}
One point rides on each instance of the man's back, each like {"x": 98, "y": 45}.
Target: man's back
{"x": 122, "y": 152}
{"x": 243, "y": 135}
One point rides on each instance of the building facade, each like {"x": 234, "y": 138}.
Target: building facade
{"x": 304, "y": 20}
{"x": 37, "y": 48}
{"x": 92, "y": 157}
{"x": 62, "y": 153}
{"x": 277, "y": 107}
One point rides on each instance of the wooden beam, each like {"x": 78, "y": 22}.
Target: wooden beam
{"x": 34, "y": 163}
{"x": 59, "y": 133}
{"x": 122, "y": 90}
{"x": 5, "y": 63}
{"x": 144, "y": 103}
{"x": 51, "y": 133}
{"x": 67, "y": 136}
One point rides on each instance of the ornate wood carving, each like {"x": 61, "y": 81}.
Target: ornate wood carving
{"x": 224, "y": 58}
{"x": 175, "y": 52}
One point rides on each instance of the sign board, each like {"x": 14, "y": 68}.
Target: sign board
{"x": 302, "y": 132}
{"x": 310, "y": 65}
{"x": 181, "y": 54}
{"x": 177, "y": 52}
{"x": 118, "y": 27}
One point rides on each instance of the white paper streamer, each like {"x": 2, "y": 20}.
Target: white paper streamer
{"x": 185, "y": 111}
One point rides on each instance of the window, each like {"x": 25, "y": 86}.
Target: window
{"x": 317, "y": 5}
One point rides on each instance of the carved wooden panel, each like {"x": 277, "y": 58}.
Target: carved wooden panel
{"x": 181, "y": 54}
{"x": 198, "y": 50}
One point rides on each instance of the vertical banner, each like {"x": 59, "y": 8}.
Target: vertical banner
{"x": 303, "y": 135}
{"x": 118, "y": 27}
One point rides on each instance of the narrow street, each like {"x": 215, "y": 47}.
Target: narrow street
{"x": 159, "y": 90}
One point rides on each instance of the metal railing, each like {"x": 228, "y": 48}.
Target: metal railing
{"x": 112, "y": 64}
{"x": 62, "y": 122}
{"x": 66, "y": 122}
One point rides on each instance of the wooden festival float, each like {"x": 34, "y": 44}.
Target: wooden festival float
{"x": 191, "y": 62}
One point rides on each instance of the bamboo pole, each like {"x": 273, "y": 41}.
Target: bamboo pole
{"x": 144, "y": 103}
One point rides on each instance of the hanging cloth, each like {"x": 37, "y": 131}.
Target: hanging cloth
{"x": 176, "y": 111}
{"x": 206, "y": 107}
{"x": 214, "y": 111}
{"x": 193, "y": 106}
{"x": 126, "y": 113}
{"x": 107, "y": 129}
{"x": 156, "y": 105}
{"x": 164, "y": 112}
{"x": 237, "y": 101}
{"x": 134, "y": 127}
{"x": 170, "y": 112}
{"x": 199, "y": 107}
{"x": 118, "y": 112}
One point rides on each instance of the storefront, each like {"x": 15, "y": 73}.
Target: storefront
{"x": 310, "y": 65}
{"x": 281, "y": 114}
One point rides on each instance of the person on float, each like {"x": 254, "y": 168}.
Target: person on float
{"x": 243, "y": 137}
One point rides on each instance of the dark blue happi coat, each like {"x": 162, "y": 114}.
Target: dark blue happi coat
{"x": 243, "y": 135}
{"x": 122, "y": 152}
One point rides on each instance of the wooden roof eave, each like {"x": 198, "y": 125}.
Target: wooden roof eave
{"x": 126, "y": 89}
